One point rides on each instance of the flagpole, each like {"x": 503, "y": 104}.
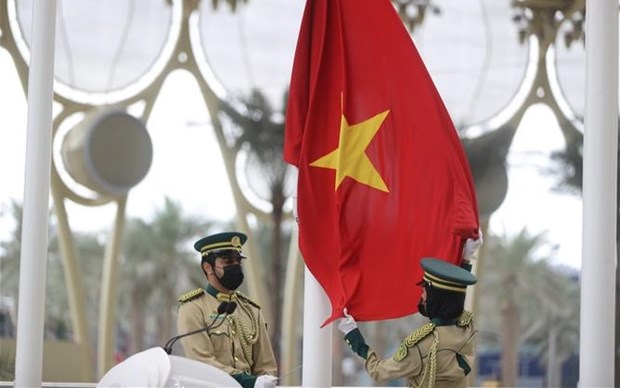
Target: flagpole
{"x": 317, "y": 341}
{"x": 33, "y": 267}
{"x": 598, "y": 267}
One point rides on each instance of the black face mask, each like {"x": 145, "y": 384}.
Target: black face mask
{"x": 232, "y": 278}
{"x": 422, "y": 307}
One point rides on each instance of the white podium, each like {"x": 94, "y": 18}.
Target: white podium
{"x": 155, "y": 368}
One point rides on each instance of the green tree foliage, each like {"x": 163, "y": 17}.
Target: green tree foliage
{"x": 523, "y": 299}
{"x": 57, "y": 320}
{"x": 57, "y": 316}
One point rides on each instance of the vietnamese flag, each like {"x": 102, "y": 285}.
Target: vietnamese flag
{"x": 383, "y": 179}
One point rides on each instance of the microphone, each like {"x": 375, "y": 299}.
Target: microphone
{"x": 224, "y": 308}
{"x": 221, "y": 309}
{"x": 230, "y": 308}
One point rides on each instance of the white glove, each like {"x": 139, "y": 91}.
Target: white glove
{"x": 346, "y": 324}
{"x": 265, "y": 381}
{"x": 470, "y": 248}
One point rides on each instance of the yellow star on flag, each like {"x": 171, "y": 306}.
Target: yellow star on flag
{"x": 350, "y": 159}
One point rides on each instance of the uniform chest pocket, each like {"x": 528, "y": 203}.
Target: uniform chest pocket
{"x": 221, "y": 341}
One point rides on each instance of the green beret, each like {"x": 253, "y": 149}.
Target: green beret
{"x": 227, "y": 241}
{"x": 447, "y": 276}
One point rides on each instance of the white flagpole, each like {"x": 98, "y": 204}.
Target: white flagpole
{"x": 317, "y": 341}
{"x": 598, "y": 268}
{"x": 33, "y": 261}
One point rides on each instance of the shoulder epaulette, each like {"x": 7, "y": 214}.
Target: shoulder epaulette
{"x": 246, "y": 299}
{"x": 465, "y": 318}
{"x": 191, "y": 295}
{"x": 419, "y": 334}
{"x": 413, "y": 339}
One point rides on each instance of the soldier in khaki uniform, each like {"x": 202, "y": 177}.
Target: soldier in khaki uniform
{"x": 440, "y": 353}
{"x": 238, "y": 342}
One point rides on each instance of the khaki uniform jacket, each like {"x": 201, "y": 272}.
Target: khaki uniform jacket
{"x": 455, "y": 355}
{"x": 240, "y": 344}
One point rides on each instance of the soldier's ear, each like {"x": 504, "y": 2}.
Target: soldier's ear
{"x": 206, "y": 267}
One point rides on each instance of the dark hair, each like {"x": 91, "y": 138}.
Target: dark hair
{"x": 444, "y": 304}
{"x": 211, "y": 256}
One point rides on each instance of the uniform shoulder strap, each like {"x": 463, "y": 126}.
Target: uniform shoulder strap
{"x": 412, "y": 339}
{"x": 465, "y": 318}
{"x": 246, "y": 299}
{"x": 193, "y": 294}
{"x": 419, "y": 334}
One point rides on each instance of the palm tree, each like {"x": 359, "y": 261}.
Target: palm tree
{"x": 508, "y": 278}
{"x": 508, "y": 282}
{"x": 558, "y": 339}
{"x": 522, "y": 286}
{"x": 270, "y": 177}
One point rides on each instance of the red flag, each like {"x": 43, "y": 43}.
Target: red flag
{"x": 383, "y": 178}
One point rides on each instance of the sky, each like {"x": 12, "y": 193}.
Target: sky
{"x": 531, "y": 201}
{"x": 183, "y": 141}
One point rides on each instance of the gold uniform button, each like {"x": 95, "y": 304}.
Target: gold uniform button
{"x": 236, "y": 359}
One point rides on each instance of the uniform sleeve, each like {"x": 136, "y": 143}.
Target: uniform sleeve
{"x": 263, "y": 359}
{"x": 388, "y": 369}
{"x": 198, "y": 346}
